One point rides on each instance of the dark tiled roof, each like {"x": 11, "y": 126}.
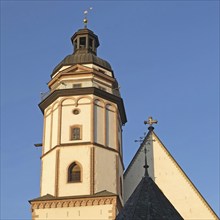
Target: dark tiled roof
{"x": 148, "y": 202}
{"x": 104, "y": 193}
{"x": 82, "y": 58}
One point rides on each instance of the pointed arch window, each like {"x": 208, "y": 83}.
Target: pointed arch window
{"x": 74, "y": 173}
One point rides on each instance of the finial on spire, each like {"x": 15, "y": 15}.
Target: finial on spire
{"x": 145, "y": 165}
{"x": 150, "y": 121}
{"x": 85, "y": 20}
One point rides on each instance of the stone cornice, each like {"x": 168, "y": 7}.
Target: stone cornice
{"x": 84, "y": 73}
{"x": 73, "y": 202}
{"x": 85, "y": 91}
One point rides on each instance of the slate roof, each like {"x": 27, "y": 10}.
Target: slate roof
{"x": 148, "y": 202}
{"x": 83, "y": 58}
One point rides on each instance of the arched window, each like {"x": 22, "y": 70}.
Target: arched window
{"x": 74, "y": 173}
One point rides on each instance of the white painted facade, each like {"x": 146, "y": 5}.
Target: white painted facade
{"x": 84, "y": 208}
{"x": 97, "y": 152}
{"x": 170, "y": 178}
{"x": 101, "y": 212}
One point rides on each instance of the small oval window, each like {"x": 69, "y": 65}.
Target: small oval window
{"x": 76, "y": 111}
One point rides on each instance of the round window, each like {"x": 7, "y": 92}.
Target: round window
{"x": 76, "y": 111}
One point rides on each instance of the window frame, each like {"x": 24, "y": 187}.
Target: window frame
{"x": 70, "y": 178}
{"x": 82, "y": 42}
{"x": 72, "y": 133}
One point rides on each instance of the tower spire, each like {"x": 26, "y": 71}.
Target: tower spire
{"x": 146, "y": 165}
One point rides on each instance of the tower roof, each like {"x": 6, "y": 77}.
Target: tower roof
{"x": 85, "y": 44}
{"x": 148, "y": 202}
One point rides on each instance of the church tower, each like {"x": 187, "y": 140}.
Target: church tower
{"x": 81, "y": 162}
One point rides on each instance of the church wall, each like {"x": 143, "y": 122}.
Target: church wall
{"x": 54, "y": 126}
{"x": 68, "y": 119}
{"x": 48, "y": 174}
{"x": 111, "y": 129}
{"x": 47, "y": 130}
{"x": 68, "y": 155}
{"x": 177, "y": 187}
{"x": 99, "y": 122}
{"x": 99, "y": 212}
{"x": 59, "y": 119}
{"x": 105, "y": 167}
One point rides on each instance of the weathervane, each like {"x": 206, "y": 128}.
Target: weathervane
{"x": 150, "y": 121}
{"x": 85, "y": 20}
{"x": 139, "y": 140}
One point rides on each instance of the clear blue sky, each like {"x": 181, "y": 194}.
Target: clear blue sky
{"x": 165, "y": 55}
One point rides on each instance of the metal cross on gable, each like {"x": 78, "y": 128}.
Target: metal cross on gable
{"x": 150, "y": 122}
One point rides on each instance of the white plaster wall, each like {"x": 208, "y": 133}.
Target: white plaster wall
{"x": 110, "y": 129}
{"x": 68, "y": 155}
{"x": 83, "y": 103}
{"x": 54, "y": 126}
{"x": 47, "y": 132}
{"x": 68, "y": 119}
{"x": 177, "y": 188}
{"x": 99, "y": 118}
{"x": 99, "y": 212}
{"x": 105, "y": 171}
{"x": 48, "y": 174}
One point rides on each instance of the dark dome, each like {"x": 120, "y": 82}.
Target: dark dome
{"x": 82, "y": 58}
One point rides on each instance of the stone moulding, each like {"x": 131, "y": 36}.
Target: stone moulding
{"x": 73, "y": 203}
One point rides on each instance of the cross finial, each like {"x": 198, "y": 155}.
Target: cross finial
{"x": 85, "y": 20}
{"x": 150, "y": 121}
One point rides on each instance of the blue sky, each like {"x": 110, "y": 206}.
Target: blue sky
{"x": 165, "y": 55}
